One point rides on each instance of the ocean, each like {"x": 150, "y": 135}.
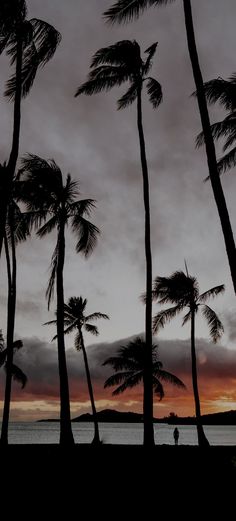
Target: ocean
{"x": 119, "y": 433}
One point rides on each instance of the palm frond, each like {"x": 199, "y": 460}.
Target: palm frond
{"x": 170, "y": 378}
{"x": 220, "y": 129}
{"x": 128, "y": 379}
{"x": 99, "y": 84}
{"x": 214, "y": 323}
{"x": 164, "y": 316}
{"x": 223, "y": 91}
{"x": 82, "y": 207}
{"x": 125, "y": 10}
{"x": 186, "y": 318}
{"x": 17, "y": 344}
{"x": 46, "y": 39}
{"x": 87, "y": 234}
{"x": 150, "y": 52}
{"x": 28, "y": 73}
{"x": 177, "y": 289}
{"x": 18, "y": 375}
{"x": 3, "y": 357}
{"x": 154, "y": 91}
{"x": 227, "y": 162}
{"x": 52, "y": 279}
{"x": 211, "y": 293}
{"x": 97, "y": 316}
{"x": 121, "y": 53}
{"x": 129, "y": 97}
{"x": 158, "y": 388}
{"x": 90, "y": 328}
{"x": 48, "y": 227}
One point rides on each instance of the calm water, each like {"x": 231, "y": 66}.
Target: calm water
{"x": 123, "y": 433}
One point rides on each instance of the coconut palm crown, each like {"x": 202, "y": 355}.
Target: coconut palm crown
{"x": 111, "y": 66}
{"x": 129, "y": 369}
{"x": 183, "y": 291}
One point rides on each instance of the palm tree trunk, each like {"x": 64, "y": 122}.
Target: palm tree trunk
{"x": 148, "y": 439}
{"x": 66, "y": 435}
{"x": 11, "y": 311}
{"x": 11, "y": 166}
{"x": 96, "y": 439}
{"x": 202, "y": 440}
{"x": 209, "y": 144}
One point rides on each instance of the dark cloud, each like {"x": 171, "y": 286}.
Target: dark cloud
{"x": 216, "y": 368}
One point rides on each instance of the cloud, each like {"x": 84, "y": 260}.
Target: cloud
{"x": 216, "y": 371}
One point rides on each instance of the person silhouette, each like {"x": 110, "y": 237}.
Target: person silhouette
{"x": 176, "y": 435}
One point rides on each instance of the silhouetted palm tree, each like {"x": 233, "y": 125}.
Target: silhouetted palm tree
{"x": 30, "y": 44}
{"x": 126, "y": 10}
{"x": 17, "y": 230}
{"x": 49, "y": 199}
{"x": 183, "y": 291}
{"x": 75, "y": 319}
{"x": 16, "y": 372}
{"x": 129, "y": 369}
{"x": 113, "y": 66}
{"x": 223, "y": 92}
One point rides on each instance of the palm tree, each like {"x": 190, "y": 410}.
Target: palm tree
{"x": 54, "y": 203}
{"x": 16, "y": 372}
{"x": 30, "y": 44}
{"x": 224, "y": 92}
{"x": 129, "y": 364}
{"x": 75, "y": 319}
{"x": 17, "y": 230}
{"x": 126, "y": 10}
{"x": 183, "y": 291}
{"x": 113, "y": 66}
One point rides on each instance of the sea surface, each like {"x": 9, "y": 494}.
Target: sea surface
{"x": 120, "y": 433}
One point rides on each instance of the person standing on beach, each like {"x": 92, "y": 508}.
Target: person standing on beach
{"x": 176, "y": 435}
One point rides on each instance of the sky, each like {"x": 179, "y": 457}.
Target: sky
{"x": 98, "y": 145}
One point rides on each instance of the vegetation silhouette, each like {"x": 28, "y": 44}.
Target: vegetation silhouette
{"x": 129, "y": 367}
{"x": 54, "y": 202}
{"x": 126, "y": 10}
{"x": 183, "y": 291}
{"x": 16, "y": 373}
{"x": 16, "y": 230}
{"x": 30, "y": 43}
{"x": 75, "y": 319}
{"x": 112, "y": 66}
{"x": 223, "y": 92}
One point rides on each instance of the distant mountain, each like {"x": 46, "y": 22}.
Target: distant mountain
{"x": 112, "y": 416}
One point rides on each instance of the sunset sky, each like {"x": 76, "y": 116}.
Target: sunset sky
{"x": 98, "y": 145}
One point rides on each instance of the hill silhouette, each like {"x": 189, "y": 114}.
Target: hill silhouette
{"x": 113, "y": 416}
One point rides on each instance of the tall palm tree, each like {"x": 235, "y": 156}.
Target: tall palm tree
{"x": 30, "y": 43}
{"x": 126, "y": 10}
{"x": 183, "y": 291}
{"x": 54, "y": 203}
{"x": 129, "y": 365}
{"x": 111, "y": 66}
{"x": 75, "y": 319}
{"x": 223, "y": 92}
{"x": 17, "y": 230}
